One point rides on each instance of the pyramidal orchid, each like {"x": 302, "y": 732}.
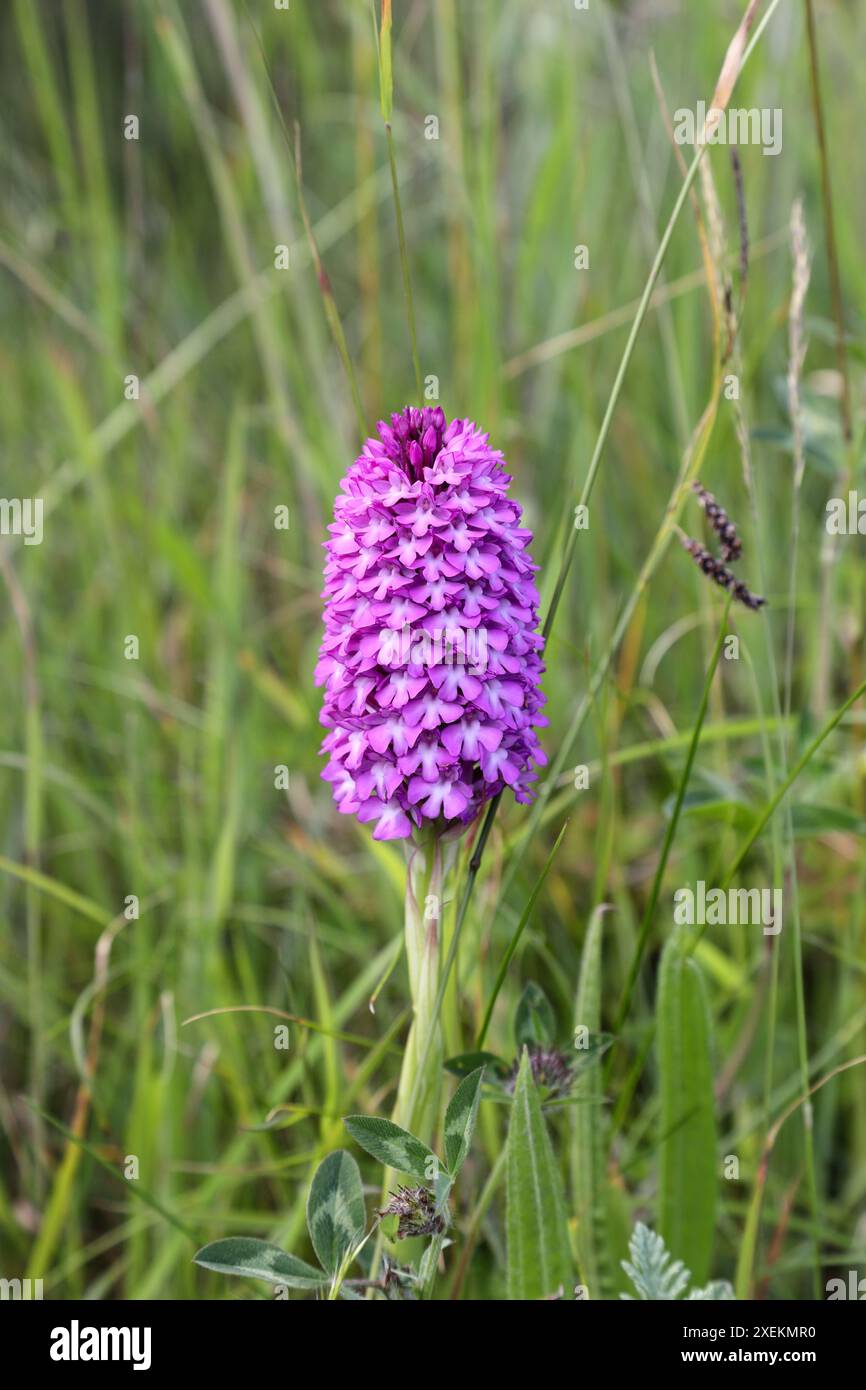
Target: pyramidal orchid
{"x": 430, "y": 660}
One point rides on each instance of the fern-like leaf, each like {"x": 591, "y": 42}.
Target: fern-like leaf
{"x": 650, "y": 1270}
{"x": 718, "y": 1289}
{"x": 656, "y": 1277}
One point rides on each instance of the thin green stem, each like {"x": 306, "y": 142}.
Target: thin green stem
{"x": 404, "y": 263}
{"x": 829, "y": 224}
{"x": 786, "y": 784}
{"x": 471, "y": 1233}
{"x": 332, "y": 314}
{"x": 796, "y": 353}
{"x": 418, "y": 1092}
{"x": 604, "y": 430}
{"x": 690, "y": 466}
{"x": 471, "y": 875}
{"x": 613, "y": 399}
{"x": 512, "y": 945}
{"x": 649, "y": 913}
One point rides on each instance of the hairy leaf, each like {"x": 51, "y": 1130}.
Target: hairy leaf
{"x": 651, "y": 1270}
{"x": 538, "y": 1257}
{"x": 258, "y": 1260}
{"x": 465, "y": 1062}
{"x": 335, "y": 1209}
{"x": 393, "y": 1146}
{"x": 534, "y": 1021}
{"x": 687, "y": 1135}
{"x": 718, "y": 1289}
{"x": 460, "y": 1120}
{"x": 587, "y": 1123}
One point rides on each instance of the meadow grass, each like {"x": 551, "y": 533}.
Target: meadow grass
{"x": 152, "y": 771}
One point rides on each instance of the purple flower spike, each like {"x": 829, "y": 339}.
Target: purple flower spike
{"x": 430, "y": 660}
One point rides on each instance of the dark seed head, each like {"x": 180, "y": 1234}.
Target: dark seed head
{"x": 550, "y": 1068}
{"x": 719, "y": 573}
{"x": 732, "y": 546}
{"x": 416, "y": 1209}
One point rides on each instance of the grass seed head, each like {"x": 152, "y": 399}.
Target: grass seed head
{"x": 732, "y": 546}
{"x": 720, "y": 574}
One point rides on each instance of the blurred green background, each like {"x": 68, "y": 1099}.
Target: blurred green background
{"x": 154, "y": 777}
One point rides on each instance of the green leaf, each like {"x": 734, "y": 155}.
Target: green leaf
{"x": 534, "y": 1021}
{"x": 687, "y": 1135}
{"x": 587, "y": 1124}
{"x": 460, "y": 1120}
{"x": 393, "y": 1146}
{"x": 591, "y": 1055}
{"x": 718, "y": 1289}
{"x": 466, "y": 1062}
{"x": 258, "y": 1260}
{"x": 707, "y": 806}
{"x": 650, "y": 1268}
{"x": 656, "y": 1278}
{"x": 538, "y": 1256}
{"x": 335, "y": 1209}
{"x": 428, "y": 1265}
{"x": 442, "y": 1191}
{"x": 811, "y": 819}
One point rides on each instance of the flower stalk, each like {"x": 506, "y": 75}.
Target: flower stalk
{"x": 429, "y": 861}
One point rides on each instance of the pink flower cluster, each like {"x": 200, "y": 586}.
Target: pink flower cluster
{"x": 431, "y": 660}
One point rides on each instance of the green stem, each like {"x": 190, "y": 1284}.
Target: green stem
{"x": 430, "y": 1266}
{"x": 589, "y": 483}
{"x": 649, "y": 914}
{"x": 428, "y": 865}
{"x": 332, "y": 313}
{"x": 829, "y": 226}
{"x": 472, "y": 874}
{"x": 404, "y": 263}
{"x": 512, "y": 945}
{"x": 471, "y": 1233}
{"x": 789, "y": 780}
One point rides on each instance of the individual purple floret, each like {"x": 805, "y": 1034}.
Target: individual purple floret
{"x": 430, "y": 659}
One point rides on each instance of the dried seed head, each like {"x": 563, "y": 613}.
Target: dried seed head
{"x": 718, "y": 572}
{"x": 416, "y": 1209}
{"x": 732, "y": 546}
